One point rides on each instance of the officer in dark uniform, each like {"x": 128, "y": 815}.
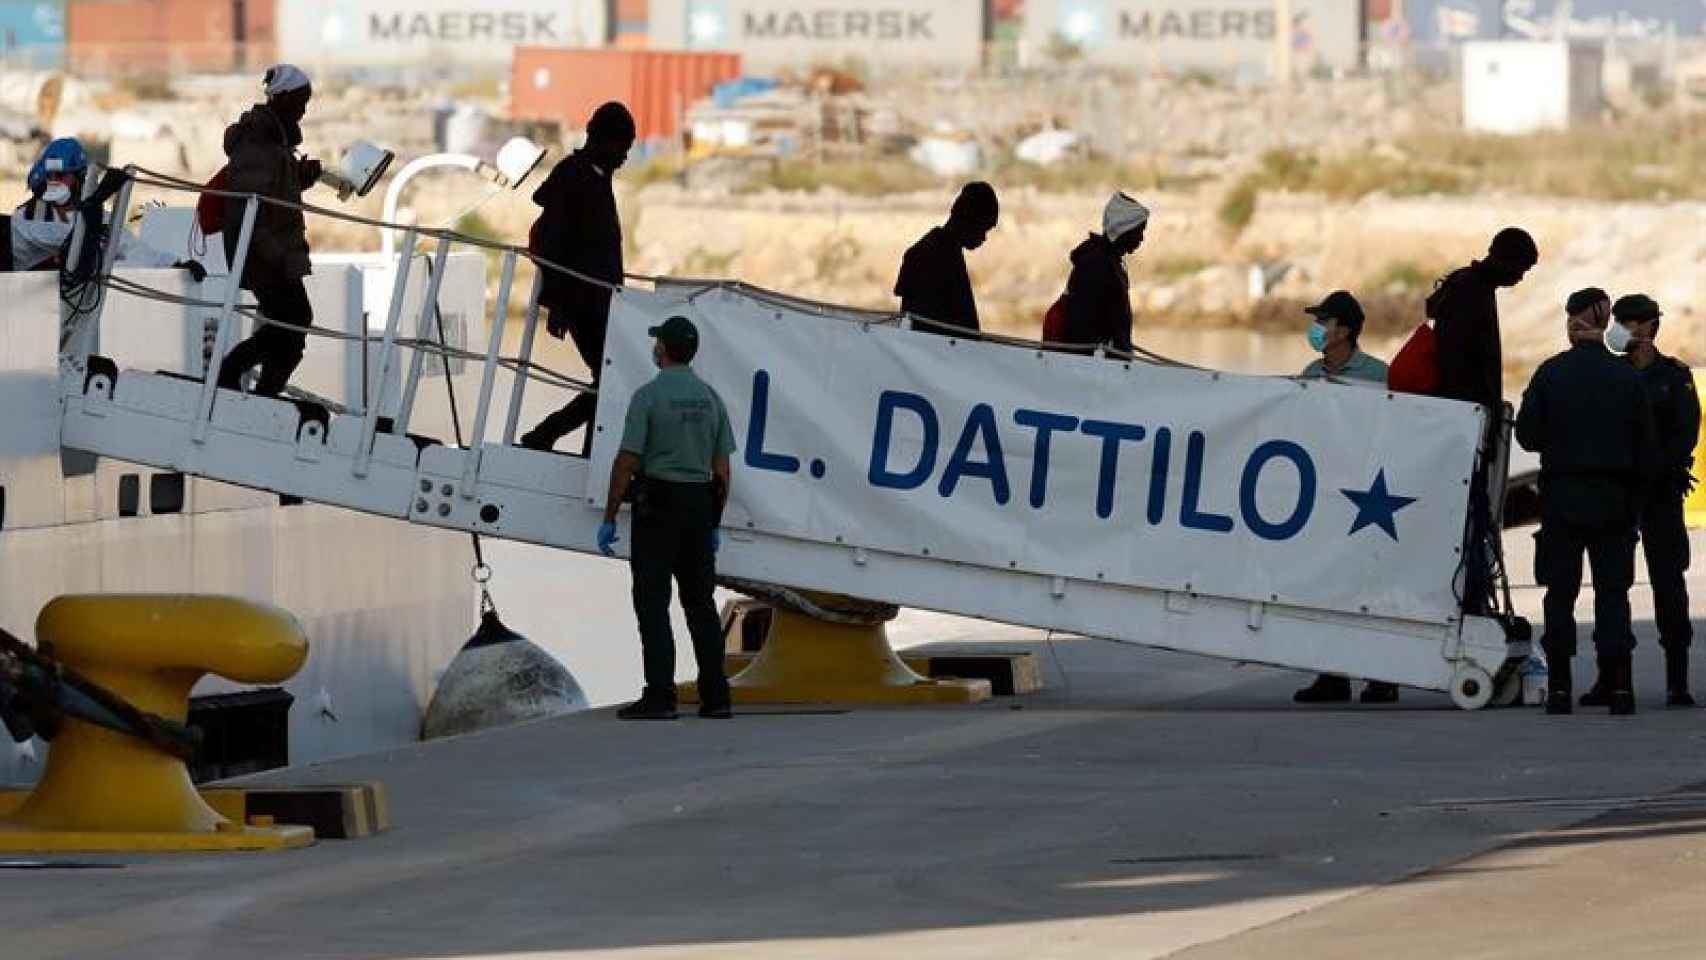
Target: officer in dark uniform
{"x": 674, "y": 465}
{"x": 1589, "y": 417}
{"x": 1664, "y": 535}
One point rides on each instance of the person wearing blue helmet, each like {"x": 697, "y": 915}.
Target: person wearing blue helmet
{"x": 56, "y": 181}
{"x": 41, "y": 226}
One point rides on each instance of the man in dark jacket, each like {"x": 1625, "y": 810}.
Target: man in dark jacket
{"x": 261, "y": 159}
{"x": 1589, "y": 417}
{"x": 1098, "y": 293}
{"x": 1465, "y": 312}
{"x": 934, "y": 283}
{"x": 1664, "y": 532}
{"x": 578, "y": 228}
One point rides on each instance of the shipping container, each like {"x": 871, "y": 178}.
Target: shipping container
{"x": 445, "y": 35}
{"x": 1523, "y": 86}
{"x": 1220, "y": 36}
{"x": 32, "y": 34}
{"x": 628, "y": 26}
{"x": 774, "y": 35}
{"x": 564, "y": 86}
{"x": 160, "y": 36}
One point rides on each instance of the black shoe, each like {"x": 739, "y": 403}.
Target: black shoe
{"x": 716, "y": 712}
{"x": 1558, "y": 703}
{"x": 1623, "y": 686}
{"x": 532, "y": 441}
{"x": 1676, "y": 678}
{"x": 643, "y": 709}
{"x": 1376, "y": 691}
{"x": 1327, "y": 688}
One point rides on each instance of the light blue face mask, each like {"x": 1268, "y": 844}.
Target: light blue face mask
{"x": 1318, "y": 337}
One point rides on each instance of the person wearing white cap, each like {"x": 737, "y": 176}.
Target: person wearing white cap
{"x": 261, "y": 151}
{"x": 1098, "y": 294}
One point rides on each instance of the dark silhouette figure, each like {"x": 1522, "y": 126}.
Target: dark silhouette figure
{"x": 579, "y": 228}
{"x": 934, "y": 283}
{"x": 1098, "y": 293}
{"x": 261, "y": 158}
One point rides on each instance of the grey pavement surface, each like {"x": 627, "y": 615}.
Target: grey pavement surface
{"x": 1148, "y": 803}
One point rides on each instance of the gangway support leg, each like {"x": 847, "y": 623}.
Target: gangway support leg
{"x": 104, "y": 790}
{"x": 808, "y": 660}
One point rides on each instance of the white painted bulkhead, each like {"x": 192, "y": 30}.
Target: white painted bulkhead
{"x": 385, "y": 604}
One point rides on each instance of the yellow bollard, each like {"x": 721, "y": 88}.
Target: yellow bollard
{"x": 1695, "y": 507}
{"x": 107, "y": 791}
{"x": 807, "y": 660}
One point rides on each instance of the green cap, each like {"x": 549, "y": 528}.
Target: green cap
{"x": 676, "y": 329}
{"x": 1635, "y": 308}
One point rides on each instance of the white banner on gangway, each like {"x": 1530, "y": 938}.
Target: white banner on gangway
{"x": 1256, "y": 488}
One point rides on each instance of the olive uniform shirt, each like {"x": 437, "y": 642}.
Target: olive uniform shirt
{"x": 678, "y": 427}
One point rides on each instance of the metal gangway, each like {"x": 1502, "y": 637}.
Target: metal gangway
{"x": 361, "y": 459}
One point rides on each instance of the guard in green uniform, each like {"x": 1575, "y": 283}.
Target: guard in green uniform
{"x": 674, "y": 467}
{"x": 1664, "y": 535}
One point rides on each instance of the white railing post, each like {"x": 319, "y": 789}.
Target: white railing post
{"x": 82, "y": 335}
{"x": 423, "y": 333}
{"x": 513, "y": 420}
{"x": 370, "y": 425}
{"x": 222, "y": 332}
{"x": 488, "y": 378}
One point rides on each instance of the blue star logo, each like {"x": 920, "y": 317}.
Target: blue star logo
{"x": 1376, "y": 507}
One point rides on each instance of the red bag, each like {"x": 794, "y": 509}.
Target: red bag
{"x": 1416, "y": 367}
{"x": 1054, "y": 322}
{"x": 210, "y": 209}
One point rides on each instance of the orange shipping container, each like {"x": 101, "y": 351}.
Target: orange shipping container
{"x": 555, "y": 85}
{"x": 167, "y": 36}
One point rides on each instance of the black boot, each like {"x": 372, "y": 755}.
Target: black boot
{"x": 1558, "y": 684}
{"x": 648, "y": 708}
{"x": 1623, "y": 686}
{"x": 1327, "y": 688}
{"x": 1676, "y": 678}
{"x": 1599, "y": 695}
{"x": 1376, "y": 691}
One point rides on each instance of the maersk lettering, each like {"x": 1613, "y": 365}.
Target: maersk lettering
{"x": 454, "y": 27}
{"x": 884, "y": 24}
{"x": 1229, "y": 24}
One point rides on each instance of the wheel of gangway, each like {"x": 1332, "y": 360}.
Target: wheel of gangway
{"x": 313, "y": 420}
{"x": 1471, "y": 687}
{"x": 101, "y": 376}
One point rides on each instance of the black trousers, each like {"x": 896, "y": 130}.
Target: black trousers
{"x": 672, "y": 541}
{"x": 1664, "y": 539}
{"x": 1610, "y": 551}
{"x": 588, "y": 337}
{"x": 276, "y": 350}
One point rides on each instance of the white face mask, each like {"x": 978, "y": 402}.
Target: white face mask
{"x": 57, "y": 194}
{"x": 1617, "y": 338}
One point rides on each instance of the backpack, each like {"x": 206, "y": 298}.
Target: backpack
{"x": 1054, "y": 322}
{"x": 1416, "y": 367}
{"x": 210, "y": 208}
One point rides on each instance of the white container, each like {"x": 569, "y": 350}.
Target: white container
{"x": 431, "y": 34}
{"x": 1220, "y": 36}
{"x": 1521, "y": 86}
{"x": 772, "y": 35}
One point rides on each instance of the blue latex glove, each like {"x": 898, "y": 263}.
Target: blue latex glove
{"x": 606, "y": 537}
{"x": 716, "y": 540}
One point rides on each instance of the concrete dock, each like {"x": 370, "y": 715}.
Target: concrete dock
{"x": 1147, "y": 804}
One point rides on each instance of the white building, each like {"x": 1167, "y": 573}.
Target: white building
{"x": 1520, "y": 86}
